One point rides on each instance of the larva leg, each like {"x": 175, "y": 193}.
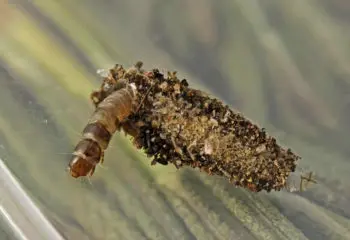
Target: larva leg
{"x": 92, "y": 171}
{"x": 102, "y": 158}
{"x": 95, "y": 97}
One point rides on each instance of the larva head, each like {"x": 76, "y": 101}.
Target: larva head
{"x": 80, "y": 167}
{"x": 86, "y": 156}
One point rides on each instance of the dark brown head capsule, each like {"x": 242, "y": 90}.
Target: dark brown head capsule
{"x": 86, "y": 156}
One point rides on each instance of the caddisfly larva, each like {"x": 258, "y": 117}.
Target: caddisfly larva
{"x": 176, "y": 124}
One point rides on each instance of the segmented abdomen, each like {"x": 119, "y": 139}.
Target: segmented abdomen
{"x": 108, "y": 115}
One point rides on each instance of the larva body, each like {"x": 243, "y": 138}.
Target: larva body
{"x": 104, "y": 122}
